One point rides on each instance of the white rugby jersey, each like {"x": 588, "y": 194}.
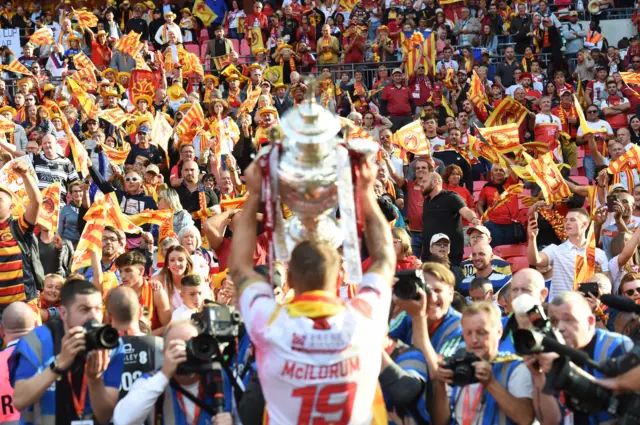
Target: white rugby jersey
{"x": 323, "y": 370}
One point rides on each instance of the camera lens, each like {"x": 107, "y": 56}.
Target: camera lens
{"x": 405, "y": 290}
{"x": 464, "y": 374}
{"x": 203, "y": 347}
{"x": 108, "y": 337}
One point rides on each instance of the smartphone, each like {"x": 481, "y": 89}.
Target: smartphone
{"x": 610, "y": 201}
{"x": 589, "y": 288}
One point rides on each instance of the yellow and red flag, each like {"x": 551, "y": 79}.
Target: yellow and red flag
{"x": 255, "y": 39}
{"x": 429, "y": 51}
{"x": 233, "y": 203}
{"x": 157, "y": 217}
{"x": 583, "y": 122}
{"x": 628, "y": 161}
{"x": 347, "y": 5}
{"x": 85, "y": 18}
{"x": 50, "y": 209}
{"x": 129, "y": 44}
{"x": 166, "y": 229}
{"x": 80, "y": 155}
{"x": 91, "y": 238}
{"x": 411, "y": 138}
{"x": 630, "y": 77}
{"x": 586, "y": 262}
{"x": 580, "y": 94}
{"x": 509, "y": 111}
{"x": 6, "y": 126}
{"x": 221, "y": 61}
{"x": 252, "y": 99}
{"x": 547, "y": 175}
{"x": 115, "y": 116}
{"x": 116, "y": 156}
{"x": 193, "y": 64}
{"x": 505, "y": 138}
{"x": 42, "y": 37}
{"x": 82, "y": 61}
{"x": 204, "y": 12}
{"x": 536, "y": 148}
{"x": 477, "y": 94}
{"x": 510, "y": 192}
{"x": 192, "y": 120}
{"x": 16, "y": 67}
{"x": 115, "y": 216}
{"x": 480, "y": 149}
{"x": 354, "y": 131}
{"x": 86, "y": 77}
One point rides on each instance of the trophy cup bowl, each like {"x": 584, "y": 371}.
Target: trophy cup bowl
{"x": 307, "y": 173}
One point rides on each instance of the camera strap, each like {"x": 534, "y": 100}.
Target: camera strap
{"x": 174, "y": 384}
{"x": 237, "y": 389}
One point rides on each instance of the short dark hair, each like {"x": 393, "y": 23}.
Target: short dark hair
{"x": 132, "y": 258}
{"x": 76, "y": 287}
{"x": 478, "y": 283}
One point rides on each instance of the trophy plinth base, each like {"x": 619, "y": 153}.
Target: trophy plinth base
{"x": 323, "y": 229}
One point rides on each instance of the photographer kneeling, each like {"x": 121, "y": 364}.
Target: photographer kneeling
{"x": 76, "y": 359}
{"x": 155, "y": 396}
{"x": 571, "y": 315}
{"x": 486, "y": 389}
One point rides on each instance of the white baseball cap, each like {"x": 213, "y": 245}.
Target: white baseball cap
{"x": 438, "y": 237}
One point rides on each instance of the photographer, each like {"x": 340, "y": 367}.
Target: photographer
{"x": 571, "y": 315}
{"x": 500, "y": 387}
{"x": 152, "y": 398}
{"x": 445, "y": 331}
{"x": 142, "y": 353}
{"x": 53, "y": 365}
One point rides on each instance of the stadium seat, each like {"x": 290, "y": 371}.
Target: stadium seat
{"x": 467, "y": 252}
{"x": 236, "y": 45}
{"x": 478, "y": 185}
{"x": 204, "y": 35}
{"x": 508, "y": 251}
{"x": 518, "y": 263}
{"x": 476, "y": 195}
{"x": 192, "y": 48}
{"x": 203, "y": 49}
{"x": 245, "y": 50}
{"x": 580, "y": 180}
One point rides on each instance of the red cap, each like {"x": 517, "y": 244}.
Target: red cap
{"x": 526, "y": 75}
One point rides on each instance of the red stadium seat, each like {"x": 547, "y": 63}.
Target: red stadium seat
{"x": 467, "y": 252}
{"x": 580, "y": 180}
{"x": 518, "y": 263}
{"x": 508, "y": 251}
{"x": 476, "y": 195}
{"x": 192, "y": 48}
{"x": 204, "y": 35}
{"x": 236, "y": 45}
{"x": 478, "y": 185}
{"x": 245, "y": 50}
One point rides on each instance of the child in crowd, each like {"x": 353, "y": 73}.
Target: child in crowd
{"x": 50, "y": 297}
{"x": 194, "y": 292}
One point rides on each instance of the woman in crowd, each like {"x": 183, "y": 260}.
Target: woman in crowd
{"x": 168, "y": 199}
{"x": 190, "y": 238}
{"x": 177, "y": 264}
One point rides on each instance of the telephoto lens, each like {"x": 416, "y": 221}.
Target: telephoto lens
{"x": 99, "y": 336}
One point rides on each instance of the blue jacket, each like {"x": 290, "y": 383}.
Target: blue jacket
{"x": 411, "y": 360}
{"x": 446, "y": 339}
{"x": 33, "y": 353}
{"x": 68, "y": 223}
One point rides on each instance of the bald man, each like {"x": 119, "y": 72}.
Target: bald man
{"x": 481, "y": 256}
{"x": 526, "y": 281}
{"x": 18, "y": 320}
{"x": 139, "y": 405}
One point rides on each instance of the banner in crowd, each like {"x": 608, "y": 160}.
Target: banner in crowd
{"x": 586, "y": 262}
{"x": 411, "y": 138}
{"x": 203, "y": 9}
{"x": 546, "y": 174}
{"x": 50, "y": 208}
{"x": 42, "y": 37}
{"x": 504, "y": 138}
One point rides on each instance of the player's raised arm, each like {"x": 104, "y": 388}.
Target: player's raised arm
{"x": 376, "y": 228}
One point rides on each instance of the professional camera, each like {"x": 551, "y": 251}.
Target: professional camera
{"x": 216, "y": 324}
{"x": 461, "y": 365}
{"x": 98, "y": 336}
{"x": 409, "y": 281}
{"x": 527, "y": 341}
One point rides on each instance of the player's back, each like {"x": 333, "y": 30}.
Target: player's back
{"x": 318, "y": 357}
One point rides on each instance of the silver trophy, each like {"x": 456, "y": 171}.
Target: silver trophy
{"x": 311, "y": 170}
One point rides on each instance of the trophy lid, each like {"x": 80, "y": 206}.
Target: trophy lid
{"x": 310, "y": 126}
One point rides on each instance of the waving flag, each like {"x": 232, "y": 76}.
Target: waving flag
{"x": 477, "y": 94}
{"x": 115, "y": 156}
{"x": 129, "y": 44}
{"x": 354, "y": 131}
{"x": 192, "y": 120}
{"x": 628, "y": 161}
{"x": 115, "y": 116}
{"x": 509, "y": 111}
{"x": 42, "y": 37}
{"x": 91, "y": 238}
{"x": 203, "y": 9}
{"x": 429, "y": 51}
{"x": 157, "y": 217}
{"x": 6, "y": 126}
{"x": 161, "y": 133}
{"x": 255, "y": 39}
{"x": 16, "y": 67}
{"x": 630, "y": 77}
{"x": 582, "y": 99}
{"x": 221, "y": 61}
{"x": 586, "y": 262}
{"x": 252, "y": 99}
{"x": 232, "y": 204}
{"x": 193, "y": 64}
{"x": 50, "y": 209}
{"x": 547, "y": 175}
{"x": 82, "y": 62}
{"x": 116, "y": 217}
{"x": 85, "y": 18}
{"x": 166, "y": 229}
{"x": 480, "y": 149}
{"x": 411, "y": 138}
{"x": 583, "y": 122}
{"x": 510, "y": 192}
{"x": 80, "y": 155}
{"x": 504, "y": 138}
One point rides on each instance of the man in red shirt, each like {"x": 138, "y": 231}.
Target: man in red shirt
{"x": 397, "y": 101}
{"x": 500, "y": 221}
{"x": 615, "y": 107}
{"x": 630, "y": 91}
{"x": 353, "y": 42}
{"x": 420, "y": 86}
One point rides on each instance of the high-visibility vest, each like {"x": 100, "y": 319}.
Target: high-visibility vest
{"x": 9, "y": 415}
